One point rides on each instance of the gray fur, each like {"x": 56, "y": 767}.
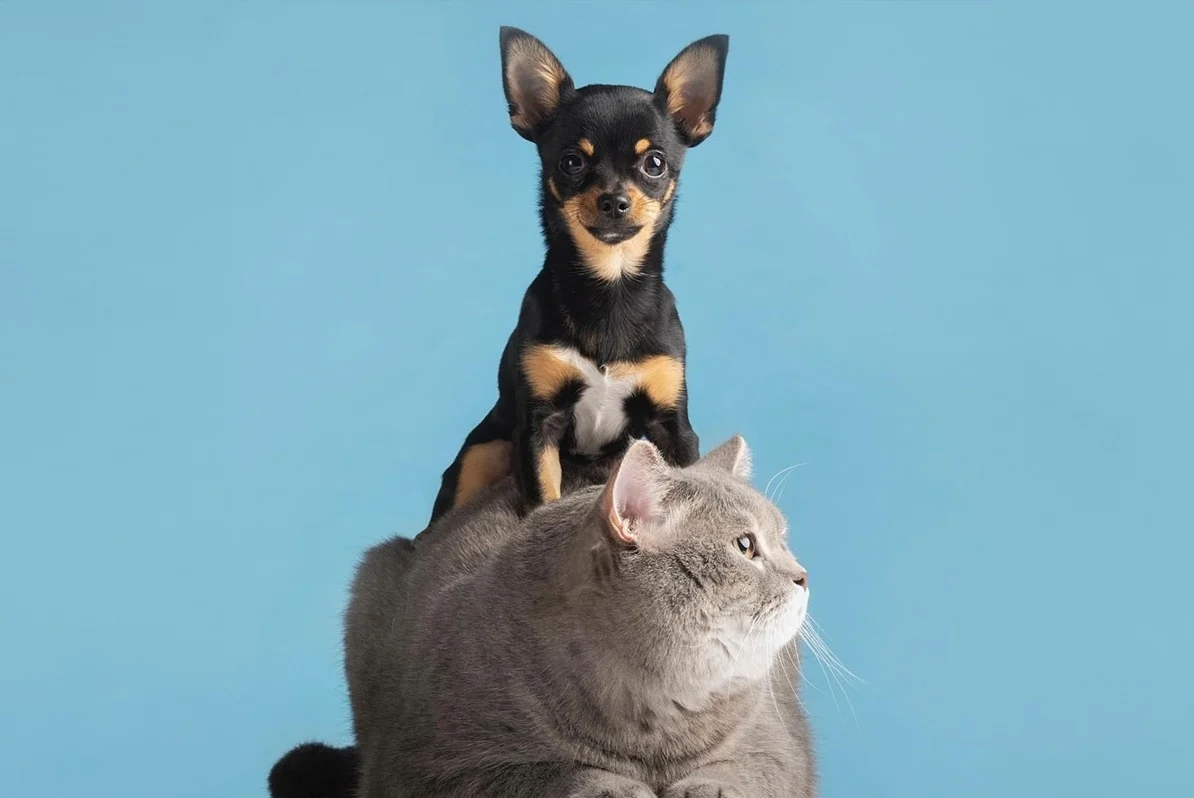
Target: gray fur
{"x": 543, "y": 656}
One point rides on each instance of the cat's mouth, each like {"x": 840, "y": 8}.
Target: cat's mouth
{"x": 789, "y": 617}
{"x": 748, "y": 646}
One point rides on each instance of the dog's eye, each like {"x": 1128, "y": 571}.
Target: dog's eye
{"x": 654, "y": 165}
{"x": 746, "y": 545}
{"x": 572, "y": 164}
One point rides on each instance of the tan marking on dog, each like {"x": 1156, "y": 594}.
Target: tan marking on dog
{"x": 482, "y": 465}
{"x": 641, "y": 146}
{"x": 644, "y": 211}
{"x": 550, "y": 474}
{"x": 547, "y": 370}
{"x": 586, "y": 147}
{"x": 551, "y": 186}
{"x": 611, "y": 262}
{"x": 660, "y": 377}
{"x": 671, "y": 189}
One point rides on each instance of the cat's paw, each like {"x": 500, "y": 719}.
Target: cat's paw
{"x": 598, "y": 784}
{"x": 627, "y": 790}
{"x": 701, "y": 788}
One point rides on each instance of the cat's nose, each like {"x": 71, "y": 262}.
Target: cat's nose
{"x": 800, "y": 577}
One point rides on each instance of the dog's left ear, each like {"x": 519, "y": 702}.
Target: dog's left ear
{"x": 690, "y": 88}
{"x": 534, "y": 80}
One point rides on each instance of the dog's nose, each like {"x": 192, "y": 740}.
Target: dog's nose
{"x": 613, "y": 206}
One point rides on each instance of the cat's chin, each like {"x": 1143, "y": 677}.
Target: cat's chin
{"x": 746, "y": 649}
{"x": 794, "y": 615}
{"x": 774, "y": 636}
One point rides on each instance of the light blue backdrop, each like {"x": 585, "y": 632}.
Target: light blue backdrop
{"x": 257, "y": 262}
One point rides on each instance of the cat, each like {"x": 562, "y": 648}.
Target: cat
{"x": 634, "y": 639}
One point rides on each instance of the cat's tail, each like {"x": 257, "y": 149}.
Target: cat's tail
{"x": 315, "y": 770}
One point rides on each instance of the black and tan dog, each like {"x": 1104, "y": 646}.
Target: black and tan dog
{"x": 598, "y": 354}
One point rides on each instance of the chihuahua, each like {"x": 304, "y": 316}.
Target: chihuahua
{"x": 598, "y": 354}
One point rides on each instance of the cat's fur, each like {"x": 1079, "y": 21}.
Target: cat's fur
{"x": 617, "y": 642}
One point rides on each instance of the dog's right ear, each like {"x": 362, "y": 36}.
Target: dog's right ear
{"x": 534, "y": 80}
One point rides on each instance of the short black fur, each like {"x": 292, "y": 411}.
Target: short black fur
{"x": 605, "y": 209}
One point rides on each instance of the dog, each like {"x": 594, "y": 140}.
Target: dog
{"x": 598, "y": 354}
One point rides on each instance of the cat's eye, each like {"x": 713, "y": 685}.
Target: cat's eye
{"x": 572, "y": 164}
{"x": 746, "y": 545}
{"x": 654, "y": 164}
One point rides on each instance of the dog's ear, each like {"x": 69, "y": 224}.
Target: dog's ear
{"x": 690, "y": 88}
{"x": 534, "y": 80}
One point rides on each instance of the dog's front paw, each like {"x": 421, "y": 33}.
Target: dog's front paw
{"x": 701, "y": 788}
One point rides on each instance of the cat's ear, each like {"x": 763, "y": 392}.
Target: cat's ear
{"x": 690, "y": 88}
{"x": 633, "y": 497}
{"x": 534, "y": 80}
{"x": 732, "y": 456}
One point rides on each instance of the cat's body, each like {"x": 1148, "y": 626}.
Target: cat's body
{"x": 601, "y": 646}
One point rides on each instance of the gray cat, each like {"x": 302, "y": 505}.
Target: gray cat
{"x": 631, "y": 640}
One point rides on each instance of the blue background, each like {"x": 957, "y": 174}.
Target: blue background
{"x": 258, "y": 260}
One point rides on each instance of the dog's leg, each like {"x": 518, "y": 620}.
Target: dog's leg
{"x": 484, "y": 459}
{"x": 537, "y": 452}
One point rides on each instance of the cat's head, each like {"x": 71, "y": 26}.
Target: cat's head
{"x": 690, "y": 569}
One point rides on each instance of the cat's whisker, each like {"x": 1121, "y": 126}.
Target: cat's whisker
{"x": 783, "y": 472}
{"x": 783, "y": 475}
{"x": 771, "y": 692}
{"x": 812, "y": 647}
{"x": 789, "y": 652}
{"x": 782, "y": 484}
{"x": 831, "y": 667}
{"x": 684, "y": 645}
{"x": 746, "y": 640}
{"x": 833, "y": 658}
{"x": 798, "y": 663}
{"x": 834, "y": 673}
{"x": 798, "y": 666}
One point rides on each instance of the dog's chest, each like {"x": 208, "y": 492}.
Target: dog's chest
{"x": 599, "y": 408}
{"x": 599, "y": 416}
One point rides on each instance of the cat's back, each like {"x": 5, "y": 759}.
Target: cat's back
{"x": 379, "y": 590}
{"x": 463, "y": 541}
{"x": 401, "y": 584}
{"x": 396, "y": 574}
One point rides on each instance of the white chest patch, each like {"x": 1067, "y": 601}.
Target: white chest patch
{"x": 600, "y": 415}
